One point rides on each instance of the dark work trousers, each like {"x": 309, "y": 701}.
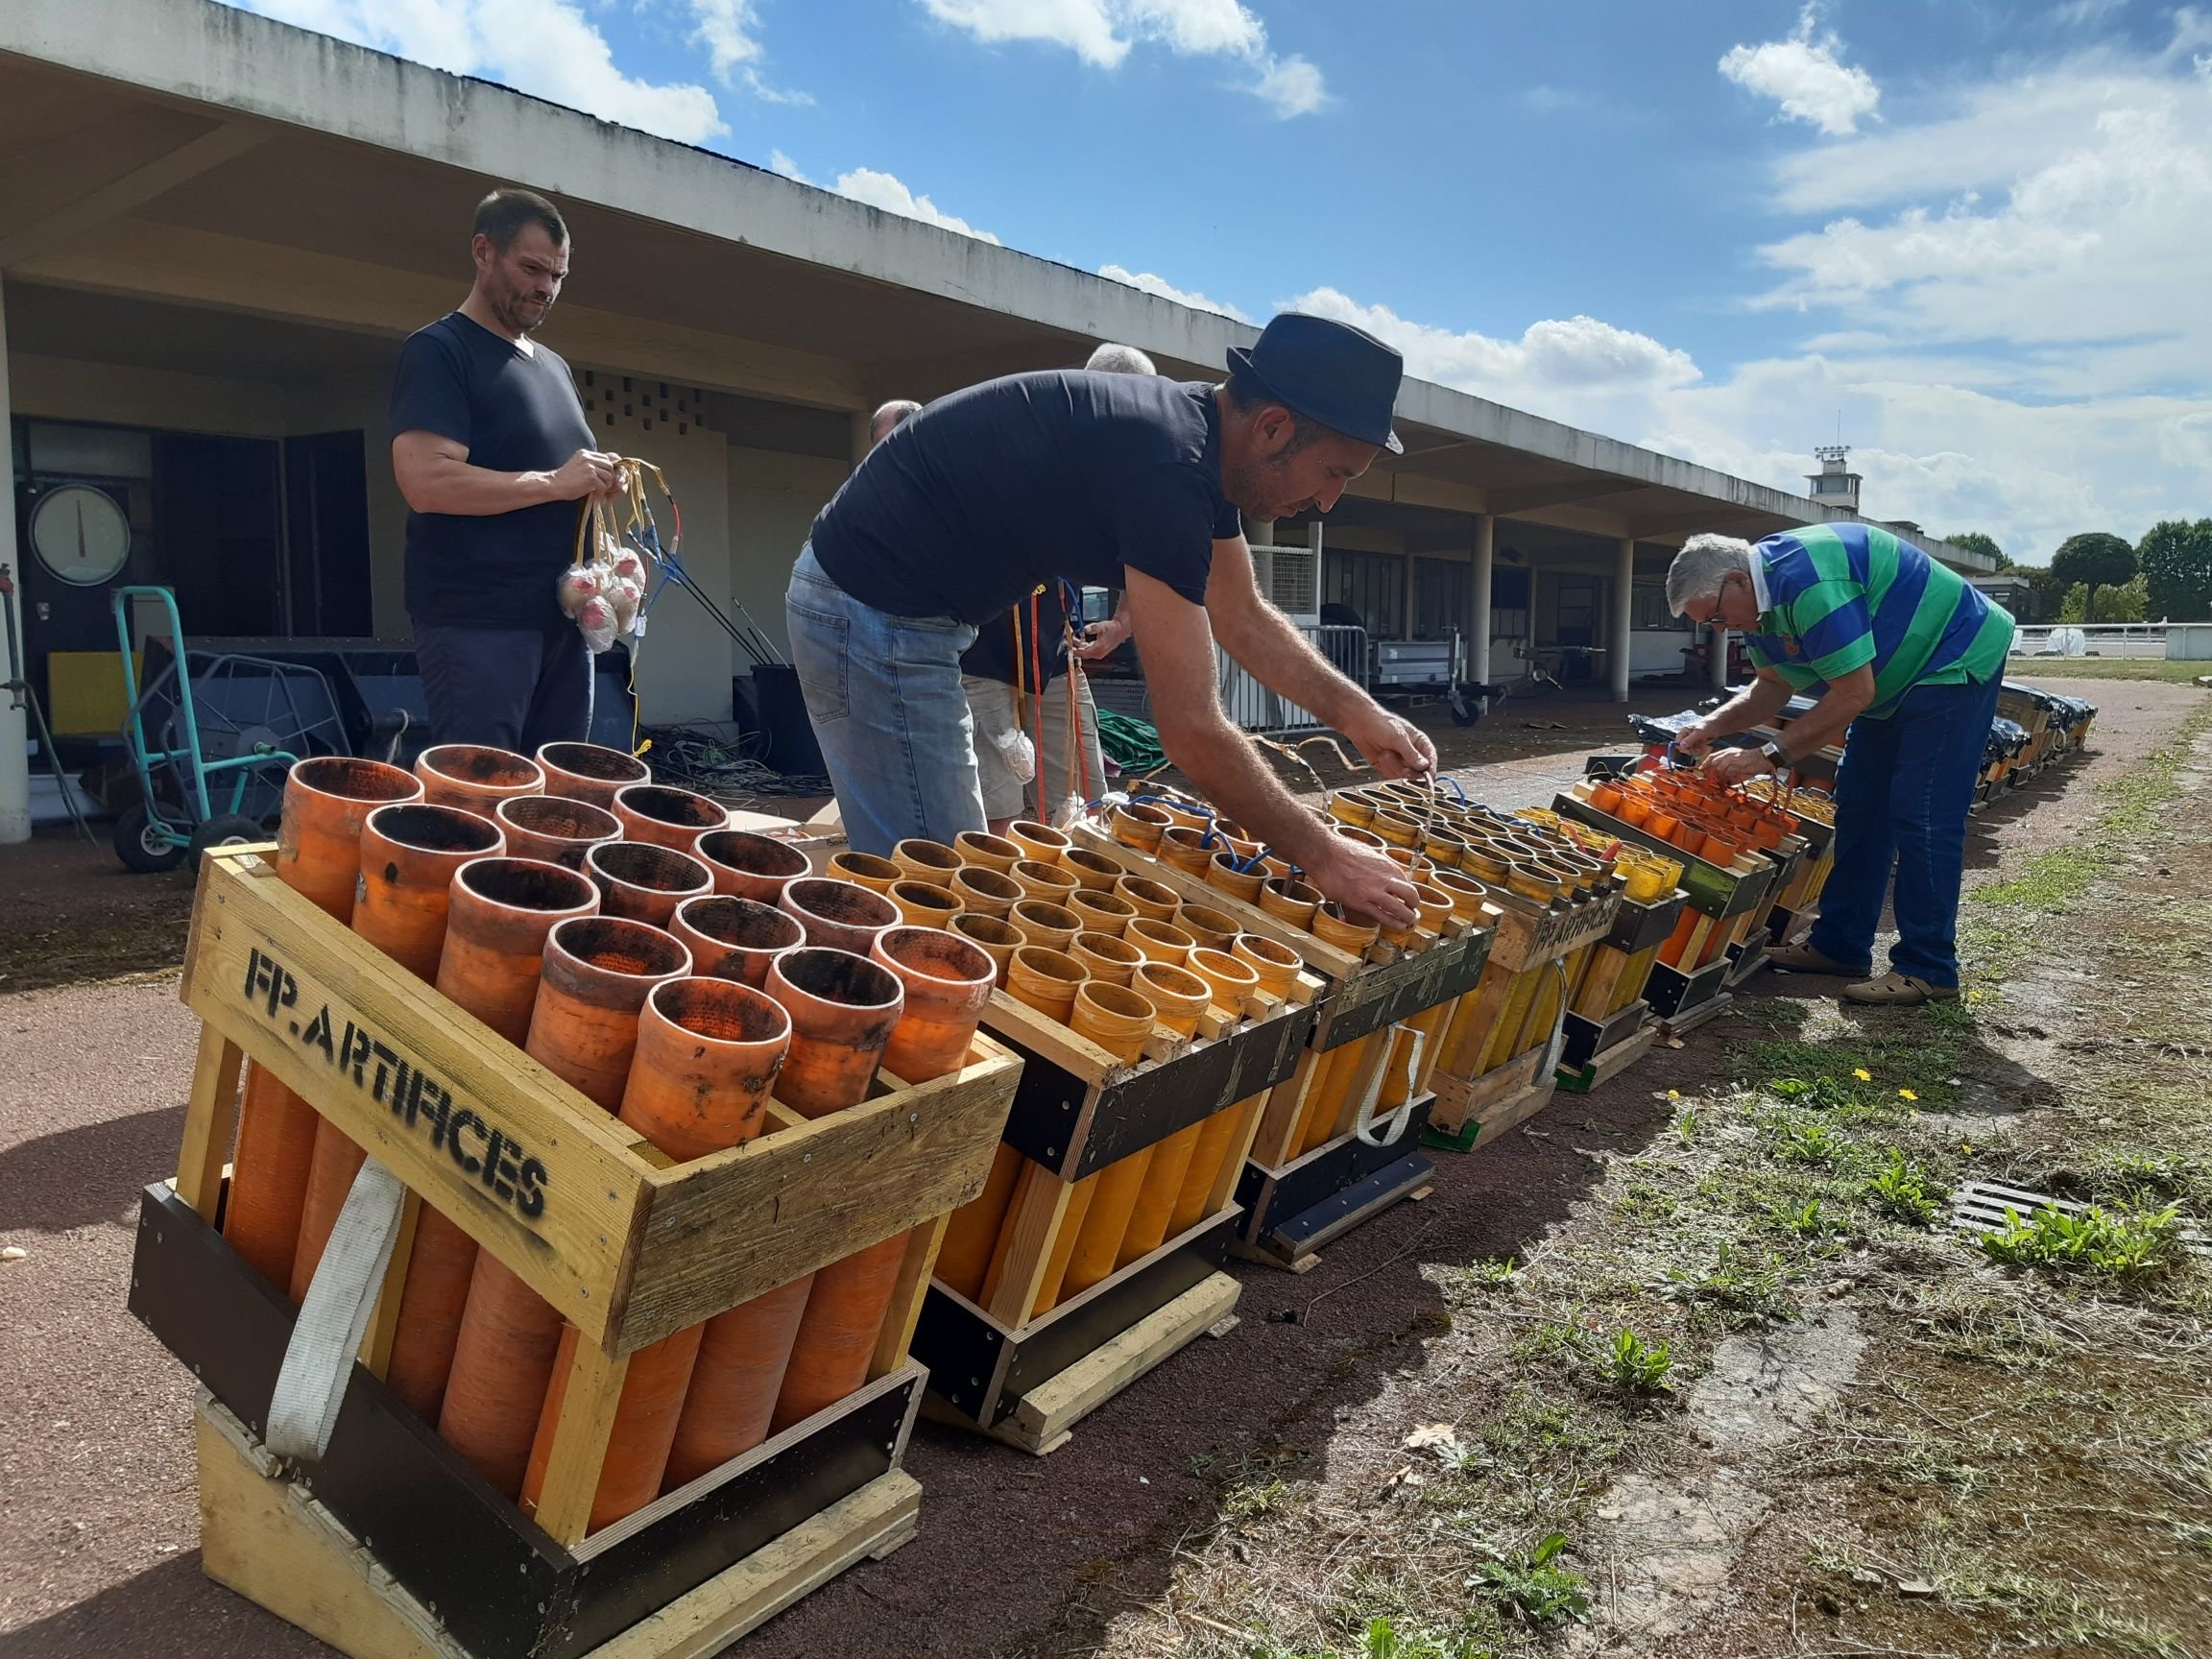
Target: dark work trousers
{"x": 1902, "y": 795}
{"x": 507, "y": 687}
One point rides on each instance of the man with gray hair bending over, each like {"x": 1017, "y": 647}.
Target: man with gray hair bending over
{"x": 1907, "y": 660}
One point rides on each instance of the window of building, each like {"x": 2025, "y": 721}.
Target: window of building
{"x": 1647, "y": 608}
{"x": 1371, "y": 584}
{"x": 1443, "y": 593}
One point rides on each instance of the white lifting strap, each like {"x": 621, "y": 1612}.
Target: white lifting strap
{"x": 1404, "y": 1114}
{"x": 319, "y": 1360}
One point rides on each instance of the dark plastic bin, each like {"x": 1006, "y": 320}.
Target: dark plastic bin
{"x": 783, "y": 715}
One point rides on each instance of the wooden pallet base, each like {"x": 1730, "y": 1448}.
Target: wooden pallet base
{"x": 1291, "y": 1213}
{"x": 1690, "y": 1018}
{"x": 1608, "y": 1064}
{"x": 266, "y": 1538}
{"x": 1044, "y": 1419}
{"x": 1462, "y": 1101}
{"x": 1026, "y": 1383}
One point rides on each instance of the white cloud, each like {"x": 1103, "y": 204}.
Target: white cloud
{"x": 729, "y": 30}
{"x": 883, "y": 190}
{"x": 1167, "y": 290}
{"x": 1575, "y": 369}
{"x": 1806, "y": 78}
{"x": 1291, "y": 86}
{"x": 1553, "y": 99}
{"x": 778, "y": 163}
{"x": 545, "y": 47}
{"x": 1102, "y": 32}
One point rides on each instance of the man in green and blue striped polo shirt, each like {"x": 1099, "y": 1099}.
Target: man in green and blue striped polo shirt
{"x": 1906, "y": 660}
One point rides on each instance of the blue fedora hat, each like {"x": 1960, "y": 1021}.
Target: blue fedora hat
{"x": 1328, "y": 371}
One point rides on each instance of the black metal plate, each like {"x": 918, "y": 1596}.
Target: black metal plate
{"x": 1292, "y": 1236}
{"x": 1639, "y": 926}
{"x": 1381, "y": 996}
{"x": 1671, "y": 993}
{"x": 1048, "y": 1123}
{"x": 1309, "y": 1181}
{"x": 962, "y": 1349}
{"x": 646, "y": 1571}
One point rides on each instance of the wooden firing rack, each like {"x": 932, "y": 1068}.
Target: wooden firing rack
{"x": 1717, "y": 890}
{"x": 1078, "y": 1108}
{"x": 1358, "y": 993}
{"x": 628, "y": 1247}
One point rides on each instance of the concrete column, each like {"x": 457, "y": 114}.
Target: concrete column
{"x": 14, "y": 706}
{"x": 1260, "y": 532}
{"x": 1406, "y": 600}
{"x": 861, "y": 420}
{"x": 1720, "y": 659}
{"x": 1623, "y": 615}
{"x": 1479, "y": 610}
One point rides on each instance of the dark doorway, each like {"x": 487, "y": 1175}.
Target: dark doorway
{"x": 216, "y": 534}
{"x": 326, "y": 523}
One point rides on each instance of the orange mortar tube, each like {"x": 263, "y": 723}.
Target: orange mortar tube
{"x": 598, "y": 971}
{"x": 327, "y": 802}
{"x": 964, "y": 1259}
{"x": 409, "y": 855}
{"x": 1156, "y": 1199}
{"x": 707, "y": 1054}
{"x": 501, "y": 911}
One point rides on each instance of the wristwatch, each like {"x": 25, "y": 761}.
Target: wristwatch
{"x": 1775, "y": 752}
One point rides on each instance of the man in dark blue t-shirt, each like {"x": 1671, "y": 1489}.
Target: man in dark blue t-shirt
{"x": 492, "y": 453}
{"x": 1112, "y": 481}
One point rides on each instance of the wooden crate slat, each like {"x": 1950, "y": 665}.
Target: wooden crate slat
{"x": 724, "y": 1228}
{"x": 422, "y": 1086}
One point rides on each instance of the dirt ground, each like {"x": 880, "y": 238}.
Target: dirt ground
{"x": 1133, "y": 1537}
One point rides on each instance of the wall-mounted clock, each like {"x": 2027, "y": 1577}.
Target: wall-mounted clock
{"x": 80, "y": 534}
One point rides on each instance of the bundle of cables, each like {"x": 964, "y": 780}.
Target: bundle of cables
{"x": 727, "y": 769}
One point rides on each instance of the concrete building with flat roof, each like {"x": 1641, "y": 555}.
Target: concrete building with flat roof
{"x": 215, "y": 229}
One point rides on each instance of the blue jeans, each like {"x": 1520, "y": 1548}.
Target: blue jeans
{"x": 1902, "y": 795}
{"x": 884, "y": 693}
{"x": 508, "y": 688}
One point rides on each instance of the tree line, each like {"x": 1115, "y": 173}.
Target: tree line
{"x": 2099, "y": 577}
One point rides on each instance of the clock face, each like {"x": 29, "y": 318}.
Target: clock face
{"x": 80, "y": 534}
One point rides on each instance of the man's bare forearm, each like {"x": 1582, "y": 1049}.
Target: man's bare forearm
{"x": 441, "y": 485}
{"x": 1269, "y": 647}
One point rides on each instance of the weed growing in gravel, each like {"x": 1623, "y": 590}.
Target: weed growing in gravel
{"x": 1745, "y": 1288}
{"x": 1637, "y": 1369}
{"x": 1905, "y": 1192}
{"x": 2125, "y": 1245}
{"x": 1382, "y": 1640}
{"x": 1535, "y": 1590}
{"x": 1803, "y": 1141}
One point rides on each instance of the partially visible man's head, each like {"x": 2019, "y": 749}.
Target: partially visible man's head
{"x": 1711, "y": 581}
{"x": 1276, "y": 462}
{"x": 886, "y": 419}
{"x": 521, "y": 248}
{"x": 1113, "y": 359}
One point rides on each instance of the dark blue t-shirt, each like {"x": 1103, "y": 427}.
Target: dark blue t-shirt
{"x": 992, "y": 655}
{"x": 969, "y": 505}
{"x": 516, "y": 413}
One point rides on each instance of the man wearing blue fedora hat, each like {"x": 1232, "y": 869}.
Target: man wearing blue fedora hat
{"x": 1112, "y": 481}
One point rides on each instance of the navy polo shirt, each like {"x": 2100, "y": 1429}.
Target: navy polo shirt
{"x": 966, "y": 507}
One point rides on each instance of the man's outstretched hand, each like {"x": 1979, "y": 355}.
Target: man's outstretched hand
{"x": 1395, "y": 748}
{"x": 1362, "y": 879}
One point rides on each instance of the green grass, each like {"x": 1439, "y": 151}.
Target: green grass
{"x": 2037, "y": 669}
{"x": 2126, "y": 1244}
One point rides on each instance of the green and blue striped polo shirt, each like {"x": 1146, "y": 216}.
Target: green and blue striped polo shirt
{"x": 1841, "y": 596}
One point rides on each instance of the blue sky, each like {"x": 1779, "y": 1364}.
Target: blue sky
{"x": 1972, "y": 232}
